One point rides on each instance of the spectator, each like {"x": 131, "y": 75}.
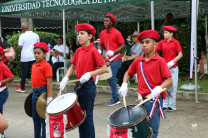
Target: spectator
{"x": 5, "y": 77}
{"x": 168, "y": 22}
{"x": 72, "y": 47}
{"x": 26, "y": 45}
{"x": 58, "y": 56}
{"x": 135, "y": 51}
{"x": 6, "y": 48}
{"x": 112, "y": 40}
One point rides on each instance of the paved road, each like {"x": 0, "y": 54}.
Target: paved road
{"x": 189, "y": 121}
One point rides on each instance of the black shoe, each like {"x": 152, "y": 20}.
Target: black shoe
{"x": 113, "y": 102}
{"x": 170, "y": 109}
{"x": 164, "y": 108}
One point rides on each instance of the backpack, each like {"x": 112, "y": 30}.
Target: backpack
{"x": 9, "y": 55}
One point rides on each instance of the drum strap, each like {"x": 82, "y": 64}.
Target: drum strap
{"x": 156, "y": 100}
{"x": 111, "y": 59}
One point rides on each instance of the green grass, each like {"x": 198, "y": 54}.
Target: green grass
{"x": 203, "y": 83}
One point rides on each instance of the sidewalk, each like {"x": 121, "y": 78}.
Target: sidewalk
{"x": 189, "y": 121}
{"x": 131, "y": 91}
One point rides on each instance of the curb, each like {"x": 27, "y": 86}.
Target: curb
{"x": 181, "y": 95}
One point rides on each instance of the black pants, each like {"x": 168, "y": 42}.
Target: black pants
{"x": 124, "y": 67}
{"x": 55, "y": 66}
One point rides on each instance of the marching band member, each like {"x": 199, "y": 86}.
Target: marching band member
{"x": 112, "y": 40}
{"x": 172, "y": 53}
{"x": 41, "y": 76}
{"x": 85, "y": 61}
{"x": 5, "y": 77}
{"x": 153, "y": 75}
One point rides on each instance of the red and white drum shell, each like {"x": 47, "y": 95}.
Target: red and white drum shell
{"x": 67, "y": 104}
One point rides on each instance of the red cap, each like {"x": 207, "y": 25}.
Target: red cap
{"x": 113, "y": 17}
{"x": 169, "y": 28}
{"x": 148, "y": 34}
{"x": 42, "y": 45}
{"x": 86, "y": 27}
{"x": 1, "y": 50}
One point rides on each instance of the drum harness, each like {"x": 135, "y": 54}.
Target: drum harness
{"x": 154, "y": 101}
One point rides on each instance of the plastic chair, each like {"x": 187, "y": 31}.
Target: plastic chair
{"x": 60, "y": 71}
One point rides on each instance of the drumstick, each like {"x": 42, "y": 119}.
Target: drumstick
{"x": 73, "y": 81}
{"x": 60, "y": 91}
{"x": 148, "y": 99}
{"x": 124, "y": 101}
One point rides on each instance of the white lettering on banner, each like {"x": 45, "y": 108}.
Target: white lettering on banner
{"x": 51, "y": 3}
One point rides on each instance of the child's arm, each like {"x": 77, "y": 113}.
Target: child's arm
{"x": 167, "y": 83}
{"x": 157, "y": 90}
{"x": 88, "y": 75}
{"x": 99, "y": 71}
{"x": 49, "y": 89}
{"x": 176, "y": 59}
{"x": 66, "y": 78}
{"x": 123, "y": 90}
{"x": 3, "y": 123}
{"x": 7, "y": 80}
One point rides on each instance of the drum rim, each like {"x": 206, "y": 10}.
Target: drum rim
{"x": 78, "y": 123}
{"x": 58, "y": 113}
{"x": 130, "y": 125}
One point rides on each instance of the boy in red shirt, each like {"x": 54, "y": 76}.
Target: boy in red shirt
{"x": 41, "y": 76}
{"x": 5, "y": 77}
{"x": 85, "y": 61}
{"x": 172, "y": 53}
{"x": 112, "y": 40}
{"x": 153, "y": 75}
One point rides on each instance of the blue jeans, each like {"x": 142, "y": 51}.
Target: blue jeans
{"x": 86, "y": 97}
{"x": 25, "y": 67}
{"x": 3, "y": 97}
{"x": 37, "y": 120}
{"x": 115, "y": 65}
{"x": 170, "y": 100}
{"x": 154, "y": 123}
{"x": 55, "y": 66}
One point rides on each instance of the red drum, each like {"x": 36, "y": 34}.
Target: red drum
{"x": 67, "y": 104}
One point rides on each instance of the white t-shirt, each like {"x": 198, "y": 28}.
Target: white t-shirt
{"x": 60, "y": 48}
{"x": 27, "y": 41}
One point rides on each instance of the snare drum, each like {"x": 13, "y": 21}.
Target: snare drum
{"x": 106, "y": 75}
{"x": 123, "y": 121}
{"x": 67, "y": 104}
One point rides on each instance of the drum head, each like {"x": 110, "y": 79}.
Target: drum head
{"x": 61, "y": 103}
{"x": 125, "y": 118}
{"x": 28, "y": 105}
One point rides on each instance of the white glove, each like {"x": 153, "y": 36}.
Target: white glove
{"x": 123, "y": 90}
{"x": 63, "y": 83}
{"x": 156, "y": 92}
{"x": 99, "y": 51}
{"x": 110, "y": 53}
{"x": 170, "y": 64}
{"x": 48, "y": 100}
{"x": 0, "y": 83}
{"x": 85, "y": 77}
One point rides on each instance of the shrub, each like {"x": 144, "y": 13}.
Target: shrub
{"x": 13, "y": 41}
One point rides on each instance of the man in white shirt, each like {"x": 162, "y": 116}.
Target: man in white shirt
{"x": 58, "y": 55}
{"x": 26, "y": 45}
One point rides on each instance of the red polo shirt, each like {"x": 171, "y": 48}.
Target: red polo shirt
{"x": 169, "y": 49}
{"x": 39, "y": 74}
{"x": 112, "y": 40}
{"x": 155, "y": 70}
{"x": 4, "y": 73}
{"x": 86, "y": 60}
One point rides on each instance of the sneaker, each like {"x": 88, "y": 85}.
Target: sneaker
{"x": 165, "y": 109}
{"x": 113, "y": 102}
{"x": 19, "y": 89}
{"x": 2, "y": 136}
{"x": 170, "y": 109}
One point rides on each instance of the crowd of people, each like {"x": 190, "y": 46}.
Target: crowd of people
{"x": 154, "y": 73}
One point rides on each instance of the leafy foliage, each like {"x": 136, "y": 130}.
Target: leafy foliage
{"x": 13, "y": 41}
